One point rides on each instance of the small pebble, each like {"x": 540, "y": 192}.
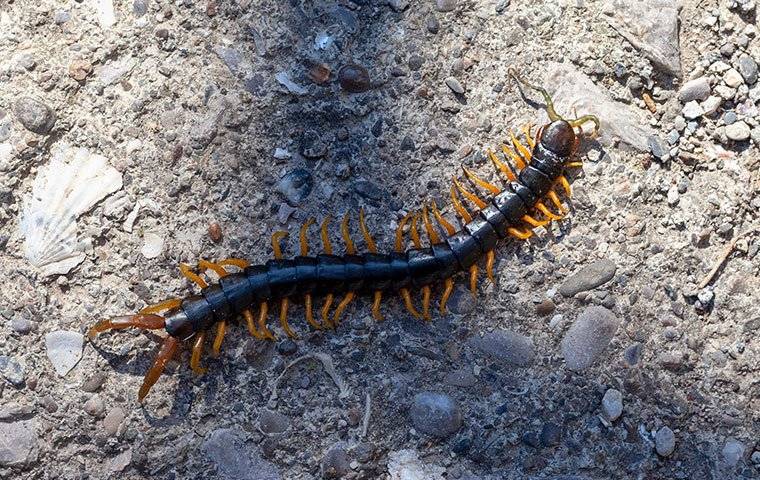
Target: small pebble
{"x": 95, "y": 406}
{"x": 21, "y": 325}
{"x": 588, "y": 277}
{"x": 748, "y": 69}
{"x": 733, "y": 78}
{"x": 12, "y": 370}
{"x": 738, "y": 131}
{"x": 665, "y": 441}
{"x": 271, "y": 422}
{"x": 711, "y": 105}
{"x": 94, "y": 382}
{"x": 34, "y": 115}
{"x": 697, "y": 89}
{"x": 454, "y": 85}
{"x": 287, "y": 347}
{"x": 692, "y": 110}
{"x": 733, "y": 451}
{"x": 588, "y": 337}
{"x": 215, "y": 232}
{"x": 612, "y": 404}
{"x": 435, "y": 414}
{"x": 445, "y": 5}
{"x": 296, "y": 186}
{"x": 354, "y": 78}
{"x": 112, "y": 421}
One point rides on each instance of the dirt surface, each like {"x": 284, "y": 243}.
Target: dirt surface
{"x": 602, "y": 350}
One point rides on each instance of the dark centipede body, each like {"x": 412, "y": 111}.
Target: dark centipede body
{"x": 502, "y": 214}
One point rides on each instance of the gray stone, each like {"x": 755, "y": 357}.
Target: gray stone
{"x": 612, "y": 404}
{"x": 296, "y": 185}
{"x": 18, "y": 443}
{"x": 738, "y": 131}
{"x": 665, "y": 441}
{"x": 462, "y": 302}
{"x": 435, "y": 414}
{"x": 650, "y": 26}
{"x": 140, "y": 8}
{"x": 445, "y": 5}
{"x": 94, "y": 382}
{"x": 748, "y": 69}
{"x": 398, "y": 5}
{"x": 711, "y": 105}
{"x": 756, "y": 457}
{"x": 12, "y": 370}
{"x": 113, "y": 421}
{"x": 697, "y": 89}
{"x": 692, "y": 110}
{"x": 505, "y": 347}
{"x": 34, "y": 115}
{"x": 588, "y": 277}
{"x": 454, "y": 85}
{"x": 733, "y": 78}
{"x": 335, "y": 463}
{"x": 733, "y": 451}
{"x": 618, "y": 120}
{"x": 95, "y": 406}
{"x": 588, "y": 337}
{"x": 64, "y": 349}
{"x": 21, "y": 325}
{"x": 61, "y": 17}
{"x": 462, "y": 378}
{"x": 656, "y": 148}
{"x": 227, "y": 450}
{"x": 273, "y": 422}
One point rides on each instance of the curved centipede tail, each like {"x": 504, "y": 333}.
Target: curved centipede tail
{"x": 142, "y": 321}
{"x": 167, "y": 351}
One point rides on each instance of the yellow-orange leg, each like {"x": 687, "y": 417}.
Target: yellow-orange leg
{"x": 490, "y": 260}
{"x": 195, "y": 357}
{"x": 470, "y": 196}
{"x": 556, "y": 201}
{"x": 326, "y": 321}
{"x": 448, "y": 287}
{"x": 474, "y": 279}
{"x": 284, "y": 318}
{"x": 528, "y": 138}
{"x": 508, "y": 152}
{"x": 534, "y": 222}
{"x": 159, "y": 307}
{"x": 221, "y": 329}
{"x": 308, "y": 307}
{"x": 549, "y": 214}
{"x": 426, "y": 303}
{"x": 520, "y": 234}
{"x": 404, "y": 292}
{"x": 521, "y": 149}
{"x": 188, "y": 273}
{"x": 565, "y": 185}
{"x": 262, "y": 321}
{"x": 376, "y": 314}
{"x": 145, "y": 322}
{"x": 372, "y": 248}
{"x": 342, "y": 307}
{"x": 501, "y": 166}
{"x": 167, "y": 351}
{"x": 251, "y": 324}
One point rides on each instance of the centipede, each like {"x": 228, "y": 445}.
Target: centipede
{"x": 533, "y": 173}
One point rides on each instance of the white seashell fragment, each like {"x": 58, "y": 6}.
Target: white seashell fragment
{"x": 70, "y": 185}
{"x": 153, "y": 245}
{"x": 64, "y": 349}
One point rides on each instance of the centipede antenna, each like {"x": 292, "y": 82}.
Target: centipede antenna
{"x": 553, "y": 116}
{"x": 587, "y": 118}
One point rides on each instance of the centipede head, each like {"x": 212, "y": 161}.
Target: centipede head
{"x": 560, "y": 136}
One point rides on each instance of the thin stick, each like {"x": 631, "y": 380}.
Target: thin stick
{"x": 724, "y": 256}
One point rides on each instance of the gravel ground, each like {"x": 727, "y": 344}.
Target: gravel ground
{"x": 604, "y": 350}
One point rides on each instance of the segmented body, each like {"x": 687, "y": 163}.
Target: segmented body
{"x": 370, "y": 272}
{"x": 507, "y": 211}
